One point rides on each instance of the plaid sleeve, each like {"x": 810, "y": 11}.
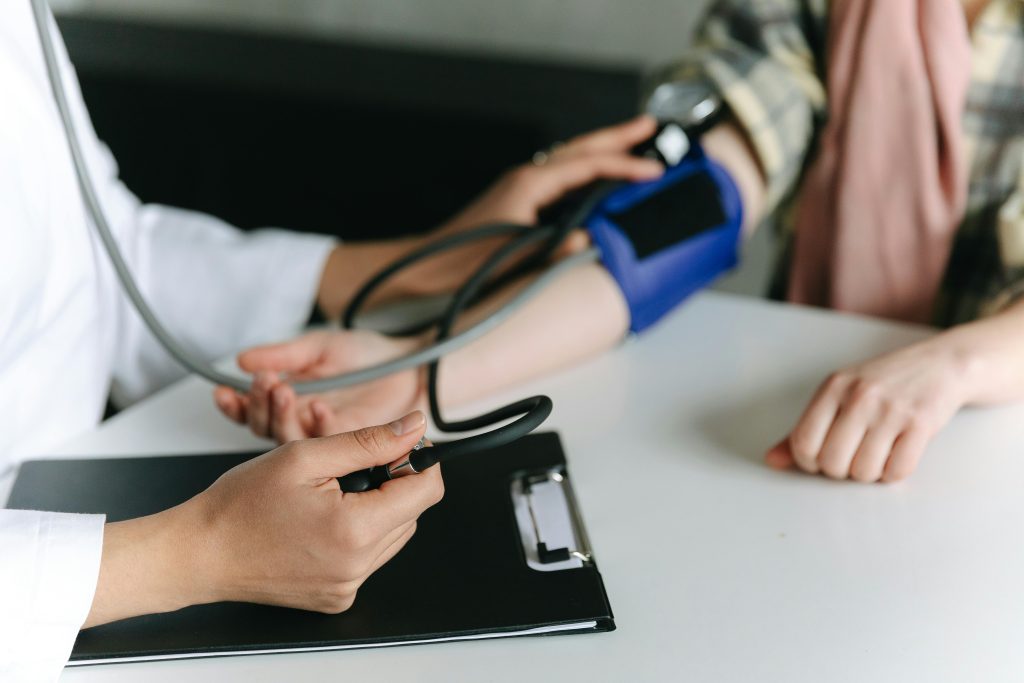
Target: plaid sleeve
{"x": 765, "y": 58}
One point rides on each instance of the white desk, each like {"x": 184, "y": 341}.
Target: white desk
{"x": 717, "y": 568}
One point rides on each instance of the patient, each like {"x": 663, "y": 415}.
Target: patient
{"x": 879, "y": 137}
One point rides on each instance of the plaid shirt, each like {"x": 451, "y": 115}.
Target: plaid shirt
{"x": 767, "y": 58}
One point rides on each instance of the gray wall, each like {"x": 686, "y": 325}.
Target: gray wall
{"x": 602, "y": 31}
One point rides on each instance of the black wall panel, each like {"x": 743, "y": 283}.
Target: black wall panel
{"x": 355, "y": 140}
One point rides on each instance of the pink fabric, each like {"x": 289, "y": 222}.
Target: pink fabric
{"x": 880, "y": 204}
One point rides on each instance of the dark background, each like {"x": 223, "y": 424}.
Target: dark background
{"x": 350, "y": 139}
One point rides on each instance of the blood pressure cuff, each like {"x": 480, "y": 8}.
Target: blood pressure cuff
{"x": 665, "y": 239}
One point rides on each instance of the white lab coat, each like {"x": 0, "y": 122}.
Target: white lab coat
{"x": 68, "y": 336}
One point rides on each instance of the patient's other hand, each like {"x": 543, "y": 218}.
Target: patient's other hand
{"x": 273, "y": 410}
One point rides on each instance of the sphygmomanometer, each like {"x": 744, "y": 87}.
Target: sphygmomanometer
{"x": 660, "y": 240}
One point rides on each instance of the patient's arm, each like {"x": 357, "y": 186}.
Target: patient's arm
{"x": 580, "y": 315}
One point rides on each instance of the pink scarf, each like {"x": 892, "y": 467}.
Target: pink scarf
{"x": 880, "y": 204}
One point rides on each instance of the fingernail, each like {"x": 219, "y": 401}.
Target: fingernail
{"x": 221, "y": 401}
{"x": 280, "y": 400}
{"x": 408, "y": 423}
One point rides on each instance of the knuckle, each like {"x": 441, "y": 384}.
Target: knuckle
{"x": 915, "y": 422}
{"x": 353, "y": 538}
{"x": 371, "y": 440}
{"x": 836, "y": 380}
{"x": 800, "y": 445}
{"x": 918, "y": 421}
{"x": 292, "y": 452}
{"x": 336, "y": 599}
{"x": 807, "y": 461}
{"x": 865, "y": 391}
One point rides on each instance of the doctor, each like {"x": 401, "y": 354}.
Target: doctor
{"x": 68, "y": 339}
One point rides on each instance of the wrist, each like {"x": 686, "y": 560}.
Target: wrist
{"x": 963, "y": 364}
{"x": 147, "y": 566}
{"x": 972, "y": 365}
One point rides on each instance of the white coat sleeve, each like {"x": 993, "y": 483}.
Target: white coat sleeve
{"x": 218, "y": 290}
{"x": 49, "y": 565}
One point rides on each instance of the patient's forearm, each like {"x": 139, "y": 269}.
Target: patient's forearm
{"x": 583, "y": 313}
{"x": 578, "y": 316}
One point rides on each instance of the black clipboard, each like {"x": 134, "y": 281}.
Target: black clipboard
{"x": 478, "y": 550}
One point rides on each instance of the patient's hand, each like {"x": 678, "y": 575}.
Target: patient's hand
{"x": 272, "y": 409}
{"x": 872, "y": 422}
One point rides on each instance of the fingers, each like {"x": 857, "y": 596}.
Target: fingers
{"x": 322, "y": 421}
{"x": 779, "y": 456}
{"x": 557, "y": 178}
{"x": 868, "y": 463}
{"x": 844, "y": 436}
{"x": 336, "y": 456}
{"x": 619, "y": 138}
{"x": 271, "y": 410}
{"x": 291, "y": 356}
{"x": 231, "y": 404}
{"x": 284, "y": 415}
{"x": 807, "y": 438}
{"x": 852, "y": 429}
{"x": 404, "y": 499}
{"x": 260, "y": 403}
{"x": 906, "y": 453}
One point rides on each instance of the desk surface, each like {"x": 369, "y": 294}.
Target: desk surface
{"x": 717, "y": 568}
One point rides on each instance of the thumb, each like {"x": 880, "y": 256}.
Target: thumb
{"x": 290, "y": 356}
{"x": 345, "y": 453}
{"x": 779, "y": 456}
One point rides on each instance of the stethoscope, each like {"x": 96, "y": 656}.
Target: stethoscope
{"x": 542, "y": 241}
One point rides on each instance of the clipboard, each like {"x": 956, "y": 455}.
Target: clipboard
{"x": 504, "y": 554}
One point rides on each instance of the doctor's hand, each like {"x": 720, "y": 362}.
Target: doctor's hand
{"x": 518, "y": 196}
{"x": 273, "y": 410}
{"x": 276, "y": 530}
{"x": 871, "y": 422}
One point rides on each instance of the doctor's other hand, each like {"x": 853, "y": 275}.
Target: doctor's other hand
{"x": 273, "y": 410}
{"x": 275, "y": 530}
{"x": 520, "y": 194}
{"x": 871, "y": 422}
